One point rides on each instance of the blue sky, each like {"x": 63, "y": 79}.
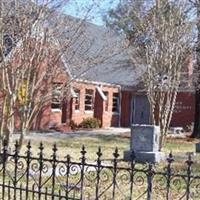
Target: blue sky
{"x": 79, "y": 8}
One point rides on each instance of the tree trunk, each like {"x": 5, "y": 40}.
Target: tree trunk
{"x": 23, "y": 129}
{"x": 196, "y": 129}
{"x": 2, "y": 125}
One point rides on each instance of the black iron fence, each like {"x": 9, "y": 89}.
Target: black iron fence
{"x": 25, "y": 177}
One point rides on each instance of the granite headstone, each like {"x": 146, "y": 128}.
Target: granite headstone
{"x": 145, "y": 143}
{"x": 197, "y": 147}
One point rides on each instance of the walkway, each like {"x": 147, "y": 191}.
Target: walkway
{"x": 80, "y": 133}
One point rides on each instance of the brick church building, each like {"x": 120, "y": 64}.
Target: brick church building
{"x": 108, "y": 89}
{"x": 113, "y": 104}
{"x": 114, "y": 97}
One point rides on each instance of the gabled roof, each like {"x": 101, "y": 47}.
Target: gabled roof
{"x": 98, "y": 54}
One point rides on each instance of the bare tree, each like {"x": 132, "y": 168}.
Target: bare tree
{"x": 25, "y": 61}
{"x": 195, "y": 4}
{"x": 159, "y": 34}
{"x": 38, "y": 45}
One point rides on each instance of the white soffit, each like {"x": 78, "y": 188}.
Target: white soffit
{"x": 101, "y": 93}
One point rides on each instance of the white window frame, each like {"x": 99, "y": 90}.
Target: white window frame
{"x": 106, "y": 94}
{"x": 91, "y": 99}
{"x": 77, "y": 93}
{"x": 117, "y": 102}
{"x": 58, "y": 87}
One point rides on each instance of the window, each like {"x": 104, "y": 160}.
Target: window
{"x": 56, "y": 96}
{"x": 115, "y": 106}
{"x": 89, "y": 99}
{"x": 77, "y": 99}
{"x": 106, "y": 101}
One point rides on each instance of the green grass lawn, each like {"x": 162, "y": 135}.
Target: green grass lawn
{"x": 108, "y": 143}
{"x": 72, "y": 146}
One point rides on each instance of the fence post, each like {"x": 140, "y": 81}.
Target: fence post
{"x": 68, "y": 161}
{"x": 16, "y": 157}
{"x": 99, "y": 154}
{"x": 132, "y": 173}
{"x": 170, "y": 160}
{"x": 28, "y": 161}
{"x": 150, "y": 173}
{"x": 116, "y": 155}
{"x": 54, "y": 160}
{"x": 83, "y": 161}
{"x": 40, "y": 160}
{"x": 189, "y": 163}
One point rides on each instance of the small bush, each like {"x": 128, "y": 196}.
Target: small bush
{"x": 90, "y": 123}
{"x": 73, "y": 125}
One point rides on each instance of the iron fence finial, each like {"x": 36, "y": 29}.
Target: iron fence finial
{"x": 29, "y": 145}
{"x": 116, "y": 154}
{"x": 83, "y": 151}
{"x": 170, "y": 158}
{"x": 189, "y": 161}
{"x": 99, "y": 153}
{"x": 16, "y": 147}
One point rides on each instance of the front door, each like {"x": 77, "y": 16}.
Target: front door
{"x": 140, "y": 110}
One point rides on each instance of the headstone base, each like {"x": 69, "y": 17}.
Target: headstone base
{"x": 145, "y": 157}
{"x": 198, "y": 148}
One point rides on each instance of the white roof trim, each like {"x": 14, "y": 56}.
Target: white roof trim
{"x": 97, "y": 83}
{"x": 66, "y": 66}
{"x": 73, "y": 93}
{"x": 101, "y": 93}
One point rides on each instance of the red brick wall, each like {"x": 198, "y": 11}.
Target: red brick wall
{"x": 78, "y": 115}
{"x": 126, "y": 108}
{"x": 183, "y": 113}
{"x": 49, "y": 118}
{"x": 98, "y": 106}
{"x": 42, "y": 122}
{"x": 184, "y": 109}
{"x": 107, "y": 118}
